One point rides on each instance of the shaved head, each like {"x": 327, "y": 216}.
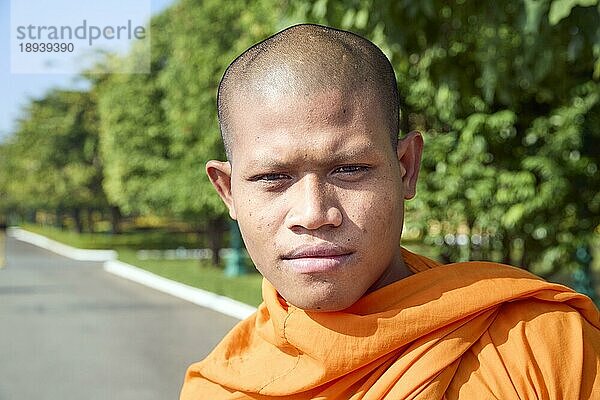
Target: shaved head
{"x": 304, "y": 61}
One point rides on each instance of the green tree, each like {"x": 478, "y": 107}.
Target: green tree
{"x": 134, "y": 142}
{"x": 159, "y": 130}
{"x": 206, "y": 37}
{"x": 8, "y": 203}
{"x": 52, "y": 160}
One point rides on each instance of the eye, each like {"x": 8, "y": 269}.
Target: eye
{"x": 274, "y": 177}
{"x": 351, "y": 173}
{"x": 351, "y": 169}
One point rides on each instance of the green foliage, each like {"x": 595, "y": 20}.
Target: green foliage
{"x": 560, "y": 9}
{"x": 159, "y": 130}
{"x": 52, "y": 160}
{"x": 8, "y": 200}
{"x": 205, "y": 38}
{"x": 134, "y": 141}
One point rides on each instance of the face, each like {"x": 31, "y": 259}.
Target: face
{"x": 318, "y": 189}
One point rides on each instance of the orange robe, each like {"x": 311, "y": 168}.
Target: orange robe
{"x": 473, "y": 330}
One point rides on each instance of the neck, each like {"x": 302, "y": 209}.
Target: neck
{"x": 394, "y": 272}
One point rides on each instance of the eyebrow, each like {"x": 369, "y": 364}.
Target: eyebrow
{"x": 271, "y": 162}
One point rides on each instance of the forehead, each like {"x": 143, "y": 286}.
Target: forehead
{"x": 307, "y": 125}
{"x": 276, "y": 108}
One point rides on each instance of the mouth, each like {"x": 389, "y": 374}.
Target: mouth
{"x": 317, "y": 258}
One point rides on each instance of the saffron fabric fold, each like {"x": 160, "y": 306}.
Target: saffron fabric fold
{"x": 474, "y": 330}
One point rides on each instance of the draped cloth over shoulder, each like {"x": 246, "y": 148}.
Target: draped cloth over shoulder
{"x": 472, "y": 330}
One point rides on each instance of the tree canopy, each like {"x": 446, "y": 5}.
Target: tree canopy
{"x": 52, "y": 160}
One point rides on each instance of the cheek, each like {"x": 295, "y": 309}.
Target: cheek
{"x": 371, "y": 209}
{"x": 258, "y": 225}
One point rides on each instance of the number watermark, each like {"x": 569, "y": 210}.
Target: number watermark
{"x": 35, "y": 47}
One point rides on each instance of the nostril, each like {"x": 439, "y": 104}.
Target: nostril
{"x": 334, "y": 216}
{"x": 315, "y": 218}
{"x": 315, "y": 206}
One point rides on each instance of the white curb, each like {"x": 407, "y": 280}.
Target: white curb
{"x": 203, "y": 298}
{"x": 62, "y": 249}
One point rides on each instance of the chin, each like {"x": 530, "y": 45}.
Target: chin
{"x": 323, "y": 303}
{"x": 329, "y": 308}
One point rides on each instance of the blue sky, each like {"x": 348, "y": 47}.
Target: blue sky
{"x": 17, "y": 89}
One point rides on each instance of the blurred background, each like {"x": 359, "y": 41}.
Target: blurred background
{"x": 507, "y": 97}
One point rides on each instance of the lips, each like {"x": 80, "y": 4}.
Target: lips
{"x": 317, "y": 258}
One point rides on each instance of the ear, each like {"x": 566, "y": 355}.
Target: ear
{"x": 219, "y": 173}
{"x": 409, "y": 156}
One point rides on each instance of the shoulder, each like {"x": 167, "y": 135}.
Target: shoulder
{"x": 545, "y": 330}
{"x": 542, "y": 349}
{"x": 544, "y": 341}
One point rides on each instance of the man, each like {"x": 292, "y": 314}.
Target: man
{"x": 316, "y": 179}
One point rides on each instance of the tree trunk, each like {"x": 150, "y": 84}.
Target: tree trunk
{"x": 525, "y": 262}
{"x": 30, "y": 216}
{"x": 90, "y": 220}
{"x": 76, "y": 214}
{"x": 404, "y": 121}
{"x": 115, "y": 219}
{"x": 216, "y": 228}
{"x": 506, "y": 250}
{"x": 58, "y": 218}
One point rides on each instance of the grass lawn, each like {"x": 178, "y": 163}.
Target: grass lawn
{"x": 197, "y": 273}
{"x": 201, "y": 274}
{"x": 128, "y": 240}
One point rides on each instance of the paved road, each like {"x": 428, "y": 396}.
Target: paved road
{"x": 69, "y": 330}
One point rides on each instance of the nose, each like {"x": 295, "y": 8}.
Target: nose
{"x": 313, "y": 206}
